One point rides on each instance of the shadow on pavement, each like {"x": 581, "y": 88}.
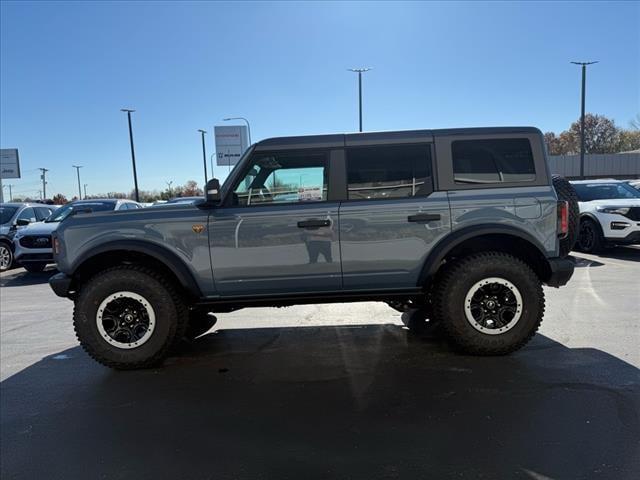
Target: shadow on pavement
{"x": 24, "y": 278}
{"x": 369, "y": 401}
{"x": 621, "y": 253}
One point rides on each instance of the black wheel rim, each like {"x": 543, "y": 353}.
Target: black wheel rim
{"x": 125, "y": 320}
{"x": 493, "y": 305}
{"x": 587, "y": 236}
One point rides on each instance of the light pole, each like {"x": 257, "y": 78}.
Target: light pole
{"x": 133, "y": 153}
{"x": 43, "y": 177}
{"x": 204, "y": 155}
{"x": 85, "y": 191}
{"x": 78, "y": 167}
{"x": 359, "y": 71}
{"x": 245, "y": 120}
{"x": 584, "y": 81}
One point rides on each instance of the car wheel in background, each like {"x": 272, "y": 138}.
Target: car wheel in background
{"x": 34, "y": 267}
{"x": 129, "y": 316}
{"x": 590, "y": 238}
{"x": 489, "y": 303}
{"x": 6, "y": 257}
{"x": 567, "y": 193}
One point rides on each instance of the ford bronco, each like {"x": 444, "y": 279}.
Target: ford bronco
{"x": 463, "y": 225}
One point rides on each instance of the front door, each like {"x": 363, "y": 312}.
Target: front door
{"x": 392, "y": 217}
{"x": 279, "y": 234}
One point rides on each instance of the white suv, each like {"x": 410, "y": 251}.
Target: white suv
{"x": 609, "y": 214}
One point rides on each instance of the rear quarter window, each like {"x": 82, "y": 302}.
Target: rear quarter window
{"x": 492, "y": 161}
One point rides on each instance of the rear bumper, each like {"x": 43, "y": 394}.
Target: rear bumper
{"x": 60, "y": 284}
{"x": 561, "y": 271}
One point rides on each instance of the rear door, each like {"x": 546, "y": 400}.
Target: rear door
{"x": 392, "y": 216}
{"x": 499, "y": 179}
{"x": 279, "y": 234}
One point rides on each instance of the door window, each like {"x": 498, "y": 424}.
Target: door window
{"x": 42, "y": 212}
{"x": 27, "y": 214}
{"x": 395, "y": 171}
{"x": 281, "y": 178}
{"x": 492, "y": 161}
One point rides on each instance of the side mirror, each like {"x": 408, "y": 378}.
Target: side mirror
{"x": 22, "y": 222}
{"x": 212, "y": 191}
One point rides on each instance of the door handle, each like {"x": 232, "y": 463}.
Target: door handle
{"x": 314, "y": 223}
{"x": 423, "y": 217}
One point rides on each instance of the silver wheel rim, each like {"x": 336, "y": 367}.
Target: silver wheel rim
{"x": 493, "y": 306}
{"x": 125, "y": 320}
{"x": 5, "y": 257}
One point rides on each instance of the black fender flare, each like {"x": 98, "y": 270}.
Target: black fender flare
{"x": 457, "y": 237}
{"x": 162, "y": 254}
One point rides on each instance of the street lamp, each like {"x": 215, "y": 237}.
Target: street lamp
{"x": 244, "y": 119}
{"x": 133, "y": 153}
{"x": 359, "y": 71}
{"x": 584, "y": 81}
{"x": 78, "y": 167}
{"x": 204, "y": 156}
{"x": 85, "y": 191}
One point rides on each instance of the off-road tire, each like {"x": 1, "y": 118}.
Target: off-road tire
{"x": 566, "y": 192}
{"x": 171, "y": 315}
{"x": 8, "y": 255}
{"x": 34, "y": 267}
{"x": 456, "y": 281}
{"x": 199, "y": 323}
{"x": 597, "y": 243}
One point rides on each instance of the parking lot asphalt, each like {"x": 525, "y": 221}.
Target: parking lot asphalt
{"x": 330, "y": 391}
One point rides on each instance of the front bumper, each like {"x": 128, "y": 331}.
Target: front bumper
{"x": 25, "y": 255}
{"x": 561, "y": 271}
{"x": 60, "y": 283}
{"x": 632, "y": 238}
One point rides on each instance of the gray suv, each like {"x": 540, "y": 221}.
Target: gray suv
{"x": 462, "y": 225}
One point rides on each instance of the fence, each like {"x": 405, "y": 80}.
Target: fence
{"x": 610, "y": 165}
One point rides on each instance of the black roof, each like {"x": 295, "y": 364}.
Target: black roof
{"x": 337, "y": 140}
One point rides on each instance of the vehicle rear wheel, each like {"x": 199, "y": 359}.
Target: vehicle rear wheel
{"x": 489, "y": 303}
{"x": 590, "y": 239}
{"x": 566, "y": 192}
{"x": 6, "y": 257}
{"x": 34, "y": 267}
{"x": 128, "y": 317}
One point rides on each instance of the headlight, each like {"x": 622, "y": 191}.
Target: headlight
{"x": 618, "y": 210}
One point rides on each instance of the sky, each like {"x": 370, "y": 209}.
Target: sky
{"x": 67, "y": 68}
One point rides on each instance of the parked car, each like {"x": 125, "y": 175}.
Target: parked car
{"x": 462, "y": 225}
{"x": 634, "y": 183}
{"x": 14, "y": 217}
{"x": 609, "y": 214}
{"x": 32, "y": 244}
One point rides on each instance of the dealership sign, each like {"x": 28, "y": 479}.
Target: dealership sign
{"x": 9, "y": 163}
{"x": 231, "y": 143}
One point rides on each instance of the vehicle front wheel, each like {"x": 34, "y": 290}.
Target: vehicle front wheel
{"x": 34, "y": 267}
{"x": 590, "y": 238}
{"x": 128, "y": 317}
{"x": 489, "y": 303}
{"x": 6, "y": 257}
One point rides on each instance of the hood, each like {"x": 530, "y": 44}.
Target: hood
{"x": 614, "y": 202}
{"x": 38, "y": 228}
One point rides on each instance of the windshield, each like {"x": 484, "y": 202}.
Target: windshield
{"x": 65, "y": 211}
{"x": 604, "y": 191}
{"x": 6, "y": 214}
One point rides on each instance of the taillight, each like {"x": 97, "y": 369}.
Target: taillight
{"x": 563, "y": 219}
